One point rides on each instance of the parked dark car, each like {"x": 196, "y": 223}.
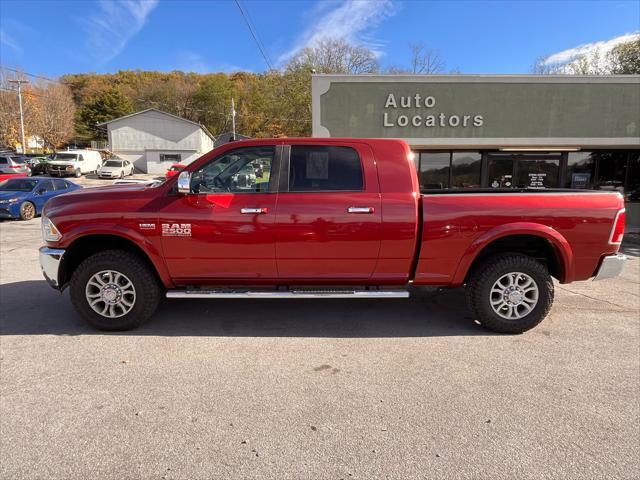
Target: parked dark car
{"x": 38, "y": 165}
{"x": 25, "y": 197}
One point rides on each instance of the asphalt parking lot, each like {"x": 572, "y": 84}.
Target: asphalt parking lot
{"x": 317, "y": 389}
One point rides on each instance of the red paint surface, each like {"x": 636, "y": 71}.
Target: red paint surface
{"x": 7, "y": 176}
{"x": 310, "y": 238}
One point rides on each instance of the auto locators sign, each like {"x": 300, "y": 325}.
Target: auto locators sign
{"x": 421, "y": 111}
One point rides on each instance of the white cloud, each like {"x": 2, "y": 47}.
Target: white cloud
{"x": 349, "y": 20}
{"x": 190, "y": 61}
{"x": 110, "y": 29}
{"x": 602, "y": 47}
{"x": 8, "y": 41}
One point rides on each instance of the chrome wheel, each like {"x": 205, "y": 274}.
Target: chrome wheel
{"x": 110, "y": 294}
{"x": 514, "y": 295}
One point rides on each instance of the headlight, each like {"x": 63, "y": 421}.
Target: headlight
{"x": 49, "y": 231}
{"x": 10, "y": 200}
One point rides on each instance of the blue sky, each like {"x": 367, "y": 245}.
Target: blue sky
{"x": 56, "y": 37}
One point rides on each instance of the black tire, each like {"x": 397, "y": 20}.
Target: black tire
{"x": 148, "y": 291}
{"x": 483, "y": 278}
{"x": 27, "y": 211}
{"x": 78, "y": 173}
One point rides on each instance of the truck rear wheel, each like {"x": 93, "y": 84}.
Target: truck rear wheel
{"x": 510, "y": 293}
{"x": 114, "y": 290}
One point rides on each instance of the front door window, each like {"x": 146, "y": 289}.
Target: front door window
{"x": 245, "y": 170}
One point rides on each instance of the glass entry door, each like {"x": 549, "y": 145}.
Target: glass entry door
{"x": 523, "y": 170}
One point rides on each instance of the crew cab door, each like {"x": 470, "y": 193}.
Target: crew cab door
{"x": 224, "y": 229}
{"x": 328, "y": 222}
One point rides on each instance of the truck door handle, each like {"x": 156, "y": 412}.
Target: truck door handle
{"x": 253, "y": 210}
{"x": 360, "y": 210}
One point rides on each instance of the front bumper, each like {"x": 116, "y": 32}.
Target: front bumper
{"x": 610, "y": 267}
{"x": 6, "y": 213}
{"x": 50, "y": 259}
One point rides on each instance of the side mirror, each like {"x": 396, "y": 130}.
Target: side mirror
{"x": 40, "y": 191}
{"x": 184, "y": 183}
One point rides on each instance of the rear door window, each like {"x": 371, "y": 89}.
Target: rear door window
{"x": 60, "y": 184}
{"x": 46, "y": 186}
{"x": 321, "y": 168}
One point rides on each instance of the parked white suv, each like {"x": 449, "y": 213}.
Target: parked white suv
{"x": 74, "y": 162}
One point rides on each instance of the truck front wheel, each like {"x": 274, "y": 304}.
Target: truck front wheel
{"x": 510, "y": 293}
{"x": 114, "y": 290}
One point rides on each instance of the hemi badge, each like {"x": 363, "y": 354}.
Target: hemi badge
{"x": 147, "y": 226}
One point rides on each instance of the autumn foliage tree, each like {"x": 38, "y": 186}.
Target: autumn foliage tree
{"x": 48, "y": 111}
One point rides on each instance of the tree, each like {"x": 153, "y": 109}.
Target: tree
{"x": 54, "y": 121}
{"x": 622, "y": 59}
{"x": 105, "y": 106}
{"x": 625, "y": 58}
{"x": 336, "y": 56}
{"x": 425, "y": 60}
{"x": 212, "y": 102}
{"x": 10, "y": 132}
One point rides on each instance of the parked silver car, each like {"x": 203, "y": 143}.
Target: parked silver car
{"x": 12, "y": 163}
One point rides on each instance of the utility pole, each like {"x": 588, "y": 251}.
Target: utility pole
{"x": 233, "y": 120}
{"x": 19, "y": 83}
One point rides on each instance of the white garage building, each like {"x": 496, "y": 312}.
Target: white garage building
{"x": 154, "y": 140}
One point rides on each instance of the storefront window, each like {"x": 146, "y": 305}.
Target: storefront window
{"x": 501, "y": 172}
{"x": 612, "y": 168}
{"x": 538, "y": 173}
{"x": 581, "y": 170}
{"x": 465, "y": 169}
{"x": 434, "y": 170}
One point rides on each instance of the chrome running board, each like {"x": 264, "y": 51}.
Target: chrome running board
{"x": 257, "y": 294}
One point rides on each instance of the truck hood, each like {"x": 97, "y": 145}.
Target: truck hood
{"x": 99, "y": 199}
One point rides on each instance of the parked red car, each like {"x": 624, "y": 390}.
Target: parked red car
{"x": 175, "y": 169}
{"x": 6, "y": 176}
{"x": 336, "y": 218}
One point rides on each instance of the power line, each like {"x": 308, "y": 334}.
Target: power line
{"x": 33, "y": 75}
{"x": 254, "y": 34}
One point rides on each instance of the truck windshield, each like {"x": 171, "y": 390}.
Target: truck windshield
{"x": 64, "y": 156}
{"x": 18, "y": 185}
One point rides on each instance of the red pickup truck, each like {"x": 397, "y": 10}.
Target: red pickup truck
{"x": 322, "y": 218}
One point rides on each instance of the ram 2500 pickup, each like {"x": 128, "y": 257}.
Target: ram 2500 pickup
{"x": 322, "y": 218}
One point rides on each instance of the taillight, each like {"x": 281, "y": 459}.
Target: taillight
{"x": 15, "y": 166}
{"x": 617, "y": 232}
